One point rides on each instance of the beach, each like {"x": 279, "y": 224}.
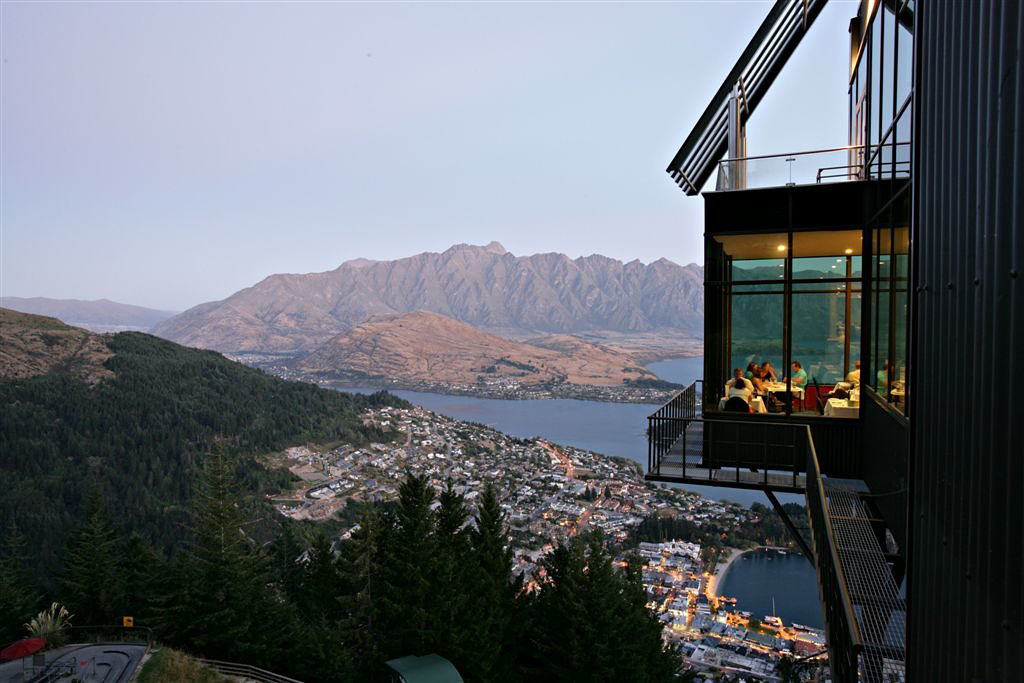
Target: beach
{"x": 721, "y": 569}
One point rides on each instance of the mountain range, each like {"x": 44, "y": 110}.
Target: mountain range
{"x": 101, "y": 315}
{"x": 484, "y": 286}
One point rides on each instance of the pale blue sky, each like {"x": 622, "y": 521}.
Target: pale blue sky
{"x": 166, "y": 154}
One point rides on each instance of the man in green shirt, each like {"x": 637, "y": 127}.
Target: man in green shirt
{"x": 799, "y": 375}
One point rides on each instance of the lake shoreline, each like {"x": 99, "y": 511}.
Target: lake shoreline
{"x": 722, "y": 568}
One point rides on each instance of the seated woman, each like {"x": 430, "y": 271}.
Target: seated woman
{"x": 768, "y": 372}
{"x": 739, "y": 396}
{"x": 758, "y": 380}
{"x": 741, "y": 387}
{"x": 751, "y": 370}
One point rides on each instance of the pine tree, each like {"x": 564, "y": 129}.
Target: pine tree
{"x": 140, "y": 567}
{"x": 220, "y": 606}
{"x": 321, "y": 583}
{"x": 361, "y": 566}
{"x": 590, "y": 623}
{"x": 19, "y": 596}
{"x": 286, "y": 569}
{"x": 456, "y": 621}
{"x": 407, "y": 567}
{"x": 493, "y": 594}
{"x": 90, "y": 583}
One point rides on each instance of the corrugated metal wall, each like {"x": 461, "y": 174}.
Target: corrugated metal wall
{"x": 967, "y": 471}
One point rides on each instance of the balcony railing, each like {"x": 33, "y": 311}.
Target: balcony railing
{"x": 839, "y": 164}
{"x": 666, "y": 424}
{"x": 743, "y": 451}
{"x": 865, "y": 619}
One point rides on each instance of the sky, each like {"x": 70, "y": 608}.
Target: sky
{"x": 167, "y": 154}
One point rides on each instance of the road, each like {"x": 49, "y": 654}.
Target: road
{"x": 109, "y": 663}
{"x": 570, "y": 471}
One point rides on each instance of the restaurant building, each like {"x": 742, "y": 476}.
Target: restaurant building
{"x": 890, "y": 268}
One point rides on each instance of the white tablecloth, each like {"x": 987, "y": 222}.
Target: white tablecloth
{"x": 840, "y": 407}
{"x": 779, "y": 387}
{"x": 756, "y": 403}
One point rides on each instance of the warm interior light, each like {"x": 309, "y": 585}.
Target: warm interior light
{"x": 781, "y": 247}
{"x": 849, "y": 251}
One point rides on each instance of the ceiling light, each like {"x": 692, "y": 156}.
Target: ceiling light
{"x": 781, "y": 247}
{"x": 849, "y": 251}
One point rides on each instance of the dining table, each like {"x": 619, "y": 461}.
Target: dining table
{"x": 841, "y": 407}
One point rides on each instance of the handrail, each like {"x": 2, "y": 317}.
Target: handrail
{"x": 831, "y": 577}
{"x": 246, "y": 671}
{"x": 846, "y": 148}
{"x": 668, "y": 422}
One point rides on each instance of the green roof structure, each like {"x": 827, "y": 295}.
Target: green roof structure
{"x": 426, "y": 669}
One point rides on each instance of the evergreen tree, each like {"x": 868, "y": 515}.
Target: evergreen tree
{"x": 90, "y": 583}
{"x": 456, "y": 621}
{"x": 493, "y": 595}
{"x": 407, "y": 567}
{"x": 321, "y": 583}
{"x": 140, "y": 567}
{"x": 361, "y": 566}
{"x": 19, "y": 597}
{"x": 286, "y": 569}
{"x": 221, "y": 608}
{"x": 590, "y": 623}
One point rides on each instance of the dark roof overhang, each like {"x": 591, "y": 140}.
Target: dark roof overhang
{"x": 755, "y": 71}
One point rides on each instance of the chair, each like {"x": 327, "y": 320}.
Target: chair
{"x": 818, "y": 397}
{"x": 736, "y": 405}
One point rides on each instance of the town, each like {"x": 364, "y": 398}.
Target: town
{"x": 502, "y": 387}
{"x": 550, "y": 493}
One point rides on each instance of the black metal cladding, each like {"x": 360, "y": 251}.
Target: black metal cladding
{"x": 967, "y": 464}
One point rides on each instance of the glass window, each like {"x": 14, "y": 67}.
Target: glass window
{"x": 905, "y": 56}
{"x": 900, "y": 314}
{"x": 880, "y": 364}
{"x": 827, "y": 255}
{"x": 756, "y": 257}
{"x": 875, "y": 106}
{"x": 813, "y": 318}
{"x": 819, "y": 334}
{"x": 903, "y": 138}
{"x": 888, "y": 19}
{"x": 757, "y": 333}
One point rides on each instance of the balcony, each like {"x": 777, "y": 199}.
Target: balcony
{"x": 836, "y": 165}
{"x": 687, "y": 445}
{"x": 858, "y": 574}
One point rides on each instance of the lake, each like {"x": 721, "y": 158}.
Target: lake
{"x": 611, "y": 428}
{"x": 754, "y": 578}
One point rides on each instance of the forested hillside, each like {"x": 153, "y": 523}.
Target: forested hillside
{"x": 135, "y": 437}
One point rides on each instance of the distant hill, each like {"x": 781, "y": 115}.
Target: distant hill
{"x": 34, "y": 345}
{"x": 487, "y": 287}
{"x": 428, "y": 347}
{"x": 136, "y": 433}
{"x": 101, "y": 315}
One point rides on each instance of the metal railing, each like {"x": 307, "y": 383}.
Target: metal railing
{"x": 837, "y": 164}
{"x": 844, "y": 637}
{"x": 666, "y": 424}
{"x": 246, "y": 671}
